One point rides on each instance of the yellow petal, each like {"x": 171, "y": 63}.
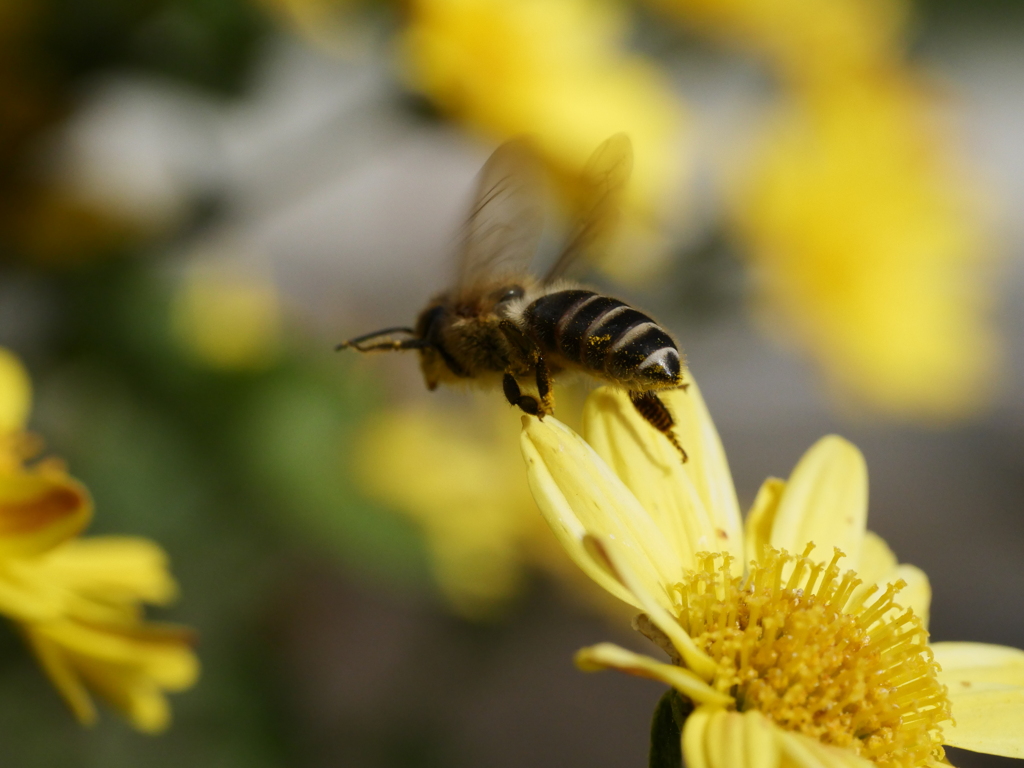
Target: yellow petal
{"x": 986, "y": 688}
{"x": 578, "y": 493}
{"x": 15, "y": 393}
{"x": 708, "y": 466}
{"x": 606, "y": 554}
{"x": 801, "y": 751}
{"x": 877, "y": 561}
{"x": 878, "y": 566}
{"x": 968, "y": 667}
{"x": 825, "y": 501}
{"x": 113, "y": 568}
{"x": 25, "y": 596}
{"x": 718, "y": 738}
{"x": 695, "y": 730}
{"x": 135, "y": 696}
{"x": 567, "y": 528}
{"x": 694, "y": 504}
{"x": 988, "y": 720}
{"x": 609, "y": 656}
{"x": 918, "y": 592}
{"x": 40, "y": 510}
{"x": 762, "y": 518}
{"x": 58, "y": 667}
{"x": 159, "y": 652}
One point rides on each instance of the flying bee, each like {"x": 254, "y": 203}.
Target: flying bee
{"x": 501, "y": 324}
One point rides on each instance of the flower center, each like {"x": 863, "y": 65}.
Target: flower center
{"x": 803, "y": 646}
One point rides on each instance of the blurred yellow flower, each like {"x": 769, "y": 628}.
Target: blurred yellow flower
{"x": 789, "y": 660}
{"x": 560, "y": 72}
{"x": 865, "y": 240}
{"x": 456, "y": 479}
{"x": 806, "y": 41}
{"x": 78, "y": 601}
{"x": 867, "y": 249}
{"x": 228, "y": 319}
{"x": 457, "y": 474}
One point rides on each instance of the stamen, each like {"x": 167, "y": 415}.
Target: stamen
{"x": 824, "y": 658}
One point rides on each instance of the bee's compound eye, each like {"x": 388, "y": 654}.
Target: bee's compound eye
{"x": 510, "y": 293}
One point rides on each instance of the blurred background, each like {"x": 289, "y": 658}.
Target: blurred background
{"x": 199, "y": 198}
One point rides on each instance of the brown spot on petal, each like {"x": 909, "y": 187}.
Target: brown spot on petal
{"x": 48, "y": 507}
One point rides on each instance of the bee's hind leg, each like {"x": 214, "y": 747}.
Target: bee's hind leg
{"x": 547, "y": 397}
{"x": 650, "y": 406}
{"x": 526, "y": 403}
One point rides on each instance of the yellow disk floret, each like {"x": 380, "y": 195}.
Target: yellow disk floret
{"x": 819, "y": 654}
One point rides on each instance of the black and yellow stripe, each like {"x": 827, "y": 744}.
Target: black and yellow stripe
{"x": 604, "y": 335}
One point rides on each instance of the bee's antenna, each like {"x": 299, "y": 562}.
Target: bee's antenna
{"x": 396, "y": 344}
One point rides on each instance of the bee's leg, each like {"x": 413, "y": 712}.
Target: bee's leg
{"x": 514, "y": 395}
{"x": 649, "y": 405}
{"x": 547, "y": 397}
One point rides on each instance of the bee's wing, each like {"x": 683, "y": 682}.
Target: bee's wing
{"x": 504, "y": 226}
{"x": 604, "y": 178}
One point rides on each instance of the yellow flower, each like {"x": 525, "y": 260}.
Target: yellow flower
{"x": 868, "y": 251}
{"x": 78, "y": 601}
{"x": 791, "y": 659}
{"x": 99, "y": 641}
{"x": 559, "y": 71}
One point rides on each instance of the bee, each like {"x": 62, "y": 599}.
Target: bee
{"x": 500, "y": 324}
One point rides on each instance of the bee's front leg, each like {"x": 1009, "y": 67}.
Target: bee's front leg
{"x": 526, "y": 403}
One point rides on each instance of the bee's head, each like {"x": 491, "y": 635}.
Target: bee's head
{"x": 436, "y": 362}
{"x": 428, "y": 337}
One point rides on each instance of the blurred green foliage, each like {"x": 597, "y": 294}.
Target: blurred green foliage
{"x": 209, "y": 43}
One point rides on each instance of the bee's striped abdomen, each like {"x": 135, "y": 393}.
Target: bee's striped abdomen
{"x": 604, "y": 335}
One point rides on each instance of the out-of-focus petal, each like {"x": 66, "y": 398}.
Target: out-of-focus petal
{"x": 762, "y": 518}
{"x": 610, "y": 656}
{"x": 132, "y": 694}
{"x": 801, "y": 751}
{"x": 578, "y": 494}
{"x": 39, "y": 510}
{"x": 129, "y": 666}
{"x": 825, "y": 502}
{"x": 25, "y": 596}
{"x": 162, "y": 653}
{"x": 114, "y": 568}
{"x": 15, "y": 393}
{"x": 694, "y": 503}
{"x": 716, "y": 738}
{"x": 62, "y": 674}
